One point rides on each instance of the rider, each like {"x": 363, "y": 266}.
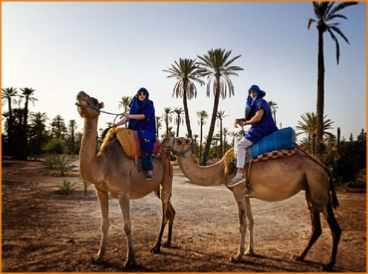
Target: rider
{"x": 142, "y": 120}
{"x": 258, "y": 115}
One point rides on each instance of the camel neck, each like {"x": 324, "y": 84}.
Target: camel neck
{"x": 201, "y": 175}
{"x": 87, "y": 154}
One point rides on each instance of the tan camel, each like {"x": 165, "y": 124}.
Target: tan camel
{"x": 271, "y": 181}
{"x": 112, "y": 171}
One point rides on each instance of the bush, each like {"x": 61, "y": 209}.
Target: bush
{"x": 59, "y": 164}
{"x": 67, "y": 188}
{"x": 56, "y": 146}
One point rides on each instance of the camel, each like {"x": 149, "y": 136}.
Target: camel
{"x": 112, "y": 171}
{"x": 271, "y": 181}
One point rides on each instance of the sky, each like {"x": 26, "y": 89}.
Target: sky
{"x": 111, "y": 49}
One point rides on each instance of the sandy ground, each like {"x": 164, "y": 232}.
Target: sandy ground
{"x": 43, "y": 231}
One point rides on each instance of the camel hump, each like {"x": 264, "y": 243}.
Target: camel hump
{"x": 129, "y": 141}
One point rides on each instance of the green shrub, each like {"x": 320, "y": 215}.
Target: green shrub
{"x": 67, "y": 188}
{"x": 56, "y": 146}
{"x": 59, "y": 164}
{"x": 85, "y": 185}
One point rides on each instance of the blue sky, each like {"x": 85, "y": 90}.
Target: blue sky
{"x": 111, "y": 49}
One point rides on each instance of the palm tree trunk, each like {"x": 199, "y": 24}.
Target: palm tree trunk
{"x": 213, "y": 122}
{"x": 320, "y": 93}
{"x": 186, "y": 111}
{"x": 10, "y": 128}
{"x": 221, "y": 144}
{"x": 24, "y": 131}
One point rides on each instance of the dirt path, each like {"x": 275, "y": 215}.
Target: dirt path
{"x": 43, "y": 231}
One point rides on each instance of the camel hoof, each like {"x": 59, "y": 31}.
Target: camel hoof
{"x": 297, "y": 258}
{"x": 235, "y": 259}
{"x": 327, "y": 268}
{"x": 130, "y": 264}
{"x": 155, "y": 250}
{"x": 249, "y": 253}
{"x": 166, "y": 244}
{"x": 95, "y": 261}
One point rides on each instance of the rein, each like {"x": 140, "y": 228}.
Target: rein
{"x": 89, "y": 104}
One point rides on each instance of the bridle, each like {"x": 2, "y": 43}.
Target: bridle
{"x": 175, "y": 151}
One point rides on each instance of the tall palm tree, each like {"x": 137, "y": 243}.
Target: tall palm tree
{"x": 167, "y": 117}
{"x": 225, "y": 132}
{"x": 273, "y": 107}
{"x": 9, "y": 94}
{"x": 202, "y": 115}
{"x": 186, "y": 71}
{"x": 178, "y": 119}
{"x": 58, "y": 127}
{"x": 72, "y": 126}
{"x": 158, "y": 125}
{"x": 325, "y": 12}
{"x": 125, "y": 103}
{"x": 218, "y": 67}
{"x": 308, "y": 126}
{"x": 27, "y": 94}
{"x": 220, "y": 116}
{"x": 37, "y": 123}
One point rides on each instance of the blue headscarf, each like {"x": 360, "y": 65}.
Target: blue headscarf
{"x": 250, "y": 100}
{"x": 137, "y": 106}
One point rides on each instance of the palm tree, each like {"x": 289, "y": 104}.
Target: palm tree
{"x": 225, "y": 132}
{"x": 38, "y": 128}
{"x": 9, "y": 94}
{"x": 27, "y": 93}
{"x": 158, "y": 125}
{"x": 308, "y": 126}
{"x": 273, "y": 107}
{"x": 202, "y": 115}
{"x": 72, "y": 128}
{"x": 125, "y": 102}
{"x": 178, "y": 119}
{"x": 217, "y": 67}
{"x": 186, "y": 72}
{"x": 220, "y": 116}
{"x": 325, "y": 12}
{"x": 58, "y": 127}
{"x": 167, "y": 117}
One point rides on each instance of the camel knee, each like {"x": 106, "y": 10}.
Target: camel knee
{"x": 105, "y": 227}
{"x": 127, "y": 229}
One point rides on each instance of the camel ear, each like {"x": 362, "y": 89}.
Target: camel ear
{"x": 189, "y": 141}
{"x": 101, "y": 105}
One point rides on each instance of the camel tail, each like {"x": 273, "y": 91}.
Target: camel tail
{"x": 334, "y": 200}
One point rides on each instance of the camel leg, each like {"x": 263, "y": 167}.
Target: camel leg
{"x": 316, "y": 227}
{"x": 125, "y": 209}
{"x": 336, "y": 234}
{"x": 156, "y": 248}
{"x": 170, "y": 215}
{"x": 240, "y": 201}
{"x": 249, "y": 218}
{"x": 104, "y": 206}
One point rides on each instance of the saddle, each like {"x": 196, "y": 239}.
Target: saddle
{"x": 130, "y": 143}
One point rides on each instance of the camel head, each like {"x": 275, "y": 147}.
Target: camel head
{"x": 88, "y": 106}
{"x": 177, "y": 146}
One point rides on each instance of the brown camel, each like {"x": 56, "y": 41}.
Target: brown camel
{"x": 112, "y": 171}
{"x": 271, "y": 181}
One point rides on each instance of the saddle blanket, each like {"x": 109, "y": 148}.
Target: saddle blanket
{"x": 273, "y": 155}
{"x": 280, "y": 142}
{"x": 130, "y": 143}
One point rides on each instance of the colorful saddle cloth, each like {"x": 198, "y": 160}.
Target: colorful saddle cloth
{"x": 130, "y": 143}
{"x": 281, "y": 143}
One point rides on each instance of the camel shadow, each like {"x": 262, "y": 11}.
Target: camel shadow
{"x": 252, "y": 263}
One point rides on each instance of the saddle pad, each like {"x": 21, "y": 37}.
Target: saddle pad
{"x": 273, "y": 155}
{"x": 131, "y": 145}
{"x": 282, "y": 139}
